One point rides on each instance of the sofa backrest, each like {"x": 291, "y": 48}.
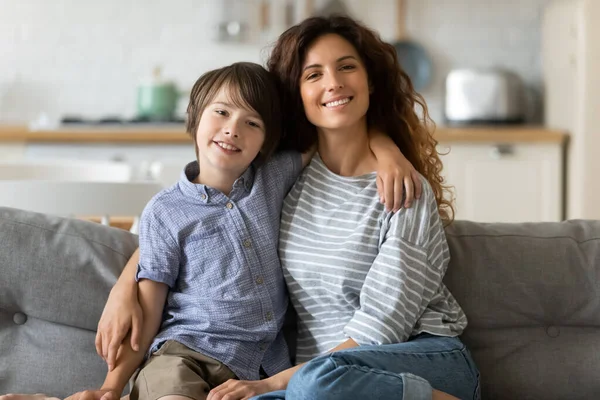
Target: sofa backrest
{"x": 531, "y": 293}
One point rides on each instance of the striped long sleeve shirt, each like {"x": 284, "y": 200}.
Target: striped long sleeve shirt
{"x": 356, "y": 271}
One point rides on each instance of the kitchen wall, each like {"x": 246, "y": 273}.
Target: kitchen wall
{"x": 85, "y": 57}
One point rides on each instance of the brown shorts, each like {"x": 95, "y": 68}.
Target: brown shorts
{"x": 177, "y": 370}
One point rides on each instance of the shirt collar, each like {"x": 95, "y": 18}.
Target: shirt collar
{"x": 202, "y": 192}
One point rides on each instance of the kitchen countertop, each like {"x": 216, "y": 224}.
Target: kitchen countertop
{"x": 174, "y": 135}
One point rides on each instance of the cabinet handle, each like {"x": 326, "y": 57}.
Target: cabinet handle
{"x": 502, "y": 150}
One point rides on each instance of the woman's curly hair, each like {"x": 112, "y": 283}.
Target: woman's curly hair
{"x": 393, "y": 99}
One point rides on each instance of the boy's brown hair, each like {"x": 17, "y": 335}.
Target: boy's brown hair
{"x": 250, "y": 86}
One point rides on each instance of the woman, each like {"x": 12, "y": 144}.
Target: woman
{"x": 375, "y": 319}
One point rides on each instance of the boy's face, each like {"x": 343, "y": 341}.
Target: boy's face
{"x": 228, "y": 137}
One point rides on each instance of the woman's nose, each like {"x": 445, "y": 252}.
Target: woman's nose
{"x": 334, "y": 83}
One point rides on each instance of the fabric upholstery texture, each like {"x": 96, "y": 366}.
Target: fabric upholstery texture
{"x": 531, "y": 293}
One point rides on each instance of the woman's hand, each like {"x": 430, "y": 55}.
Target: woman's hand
{"x": 102, "y": 394}
{"x": 396, "y": 177}
{"x": 121, "y": 314}
{"x": 234, "y": 389}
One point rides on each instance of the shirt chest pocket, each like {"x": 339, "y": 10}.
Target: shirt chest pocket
{"x": 210, "y": 263}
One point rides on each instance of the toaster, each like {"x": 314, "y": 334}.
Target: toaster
{"x": 476, "y": 96}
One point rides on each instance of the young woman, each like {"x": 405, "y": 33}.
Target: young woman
{"x": 374, "y": 318}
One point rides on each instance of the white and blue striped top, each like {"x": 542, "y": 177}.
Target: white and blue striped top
{"x": 356, "y": 271}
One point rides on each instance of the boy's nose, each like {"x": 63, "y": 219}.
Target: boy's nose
{"x": 231, "y": 132}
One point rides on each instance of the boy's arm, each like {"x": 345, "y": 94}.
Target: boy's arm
{"x": 152, "y": 296}
{"x": 395, "y": 173}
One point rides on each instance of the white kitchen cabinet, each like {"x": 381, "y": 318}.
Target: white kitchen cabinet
{"x": 515, "y": 182}
{"x": 11, "y": 151}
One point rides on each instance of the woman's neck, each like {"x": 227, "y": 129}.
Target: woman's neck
{"x": 346, "y": 152}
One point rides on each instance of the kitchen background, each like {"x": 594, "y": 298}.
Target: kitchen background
{"x": 87, "y": 59}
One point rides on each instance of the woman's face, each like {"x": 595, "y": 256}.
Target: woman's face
{"x": 334, "y": 85}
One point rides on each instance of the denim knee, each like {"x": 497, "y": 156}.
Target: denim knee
{"x": 314, "y": 380}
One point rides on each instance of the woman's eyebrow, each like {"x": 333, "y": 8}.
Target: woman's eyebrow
{"x": 319, "y": 65}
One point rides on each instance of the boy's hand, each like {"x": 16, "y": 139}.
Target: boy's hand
{"x": 240, "y": 390}
{"x": 395, "y": 175}
{"x": 102, "y": 394}
{"x": 122, "y": 312}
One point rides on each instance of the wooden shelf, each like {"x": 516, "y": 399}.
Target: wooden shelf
{"x": 171, "y": 135}
{"x": 95, "y": 135}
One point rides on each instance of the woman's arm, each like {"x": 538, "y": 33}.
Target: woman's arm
{"x": 152, "y": 299}
{"x": 281, "y": 380}
{"x": 236, "y": 389}
{"x": 121, "y": 314}
{"x": 404, "y": 277}
{"x": 395, "y": 173}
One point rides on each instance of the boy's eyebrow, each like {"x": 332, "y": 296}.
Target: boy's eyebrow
{"x": 223, "y": 103}
{"x": 319, "y": 65}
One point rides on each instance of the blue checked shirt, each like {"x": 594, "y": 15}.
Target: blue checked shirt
{"x": 227, "y": 297}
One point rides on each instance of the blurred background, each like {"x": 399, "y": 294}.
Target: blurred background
{"x": 508, "y": 82}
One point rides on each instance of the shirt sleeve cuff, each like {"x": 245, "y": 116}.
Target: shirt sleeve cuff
{"x": 415, "y": 387}
{"x": 155, "y": 276}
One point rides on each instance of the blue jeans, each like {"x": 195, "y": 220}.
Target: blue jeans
{"x": 406, "y": 371}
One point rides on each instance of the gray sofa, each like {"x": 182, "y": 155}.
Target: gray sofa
{"x": 531, "y": 292}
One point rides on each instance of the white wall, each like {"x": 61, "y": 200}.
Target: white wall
{"x": 85, "y": 57}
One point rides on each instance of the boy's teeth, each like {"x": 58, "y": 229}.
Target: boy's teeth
{"x": 227, "y": 146}
{"x": 337, "y": 102}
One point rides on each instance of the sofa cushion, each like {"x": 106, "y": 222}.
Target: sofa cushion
{"x": 532, "y": 296}
{"x": 55, "y": 276}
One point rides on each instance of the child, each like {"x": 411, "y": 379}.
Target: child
{"x": 211, "y": 286}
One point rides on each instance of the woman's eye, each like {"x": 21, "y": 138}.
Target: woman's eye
{"x": 312, "y": 76}
{"x": 221, "y": 112}
{"x": 347, "y": 67}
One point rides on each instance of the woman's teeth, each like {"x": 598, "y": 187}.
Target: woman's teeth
{"x": 227, "y": 146}
{"x": 338, "y": 102}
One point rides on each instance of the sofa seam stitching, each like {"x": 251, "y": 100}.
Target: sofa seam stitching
{"x": 523, "y": 236}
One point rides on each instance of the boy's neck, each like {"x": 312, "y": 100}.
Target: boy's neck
{"x": 216, "y": 179}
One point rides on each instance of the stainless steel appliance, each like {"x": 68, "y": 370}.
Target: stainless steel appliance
{"x": 475, "y": 96}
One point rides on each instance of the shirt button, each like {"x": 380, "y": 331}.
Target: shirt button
{"x": 247, "y": 243}
{"x": 259, "y": 280}
{"x": 203, "y": 196}
{"x": 229, "y": 205}
{"x": 269, "y": 316}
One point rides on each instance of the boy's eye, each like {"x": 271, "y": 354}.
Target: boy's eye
{"x": 221, "y": 112}
{"x": 254, "y": 124}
